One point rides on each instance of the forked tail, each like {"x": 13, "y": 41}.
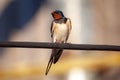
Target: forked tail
{"x": 56, "y": 53}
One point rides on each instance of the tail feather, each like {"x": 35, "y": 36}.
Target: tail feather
{"x": 56, "y": 53}
{"x": 50, "y": 63}
{"x": 57, "y": 56}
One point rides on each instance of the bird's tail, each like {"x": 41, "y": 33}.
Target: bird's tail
{"x": 50, "y": 63}
{"x": 56, "y": 53}
{"x": 49, "y": 66}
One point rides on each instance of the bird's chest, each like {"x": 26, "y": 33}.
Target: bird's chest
{"x": 60, "y": 33}
{"x": 61, "y": 29}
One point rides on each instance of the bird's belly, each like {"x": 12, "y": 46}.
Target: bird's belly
{"x": 61, "y": 33}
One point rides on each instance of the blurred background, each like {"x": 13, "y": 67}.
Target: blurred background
{"x": 93, "y": 22}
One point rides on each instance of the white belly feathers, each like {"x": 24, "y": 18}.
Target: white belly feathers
{"x": 60, "y": 33}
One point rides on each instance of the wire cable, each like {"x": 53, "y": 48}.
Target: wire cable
{"x": 68, "y": 46}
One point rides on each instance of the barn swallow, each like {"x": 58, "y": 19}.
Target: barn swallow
{"x": 60, "y": 30}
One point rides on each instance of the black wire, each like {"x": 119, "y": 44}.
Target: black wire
{"x": 59, "y": 46}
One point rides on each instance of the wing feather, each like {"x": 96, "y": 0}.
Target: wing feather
{"x": 68, "y": 22}
{"x": 52, "y": 28}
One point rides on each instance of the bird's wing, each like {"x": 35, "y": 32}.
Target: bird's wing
{"x": 69, "y": 27}
{"x": 52, "y": 28}
{"x": 51, "y": 60}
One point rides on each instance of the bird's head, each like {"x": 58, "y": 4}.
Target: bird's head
{"x": 57, "y": 14}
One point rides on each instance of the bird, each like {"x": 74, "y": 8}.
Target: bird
{"x": 60, "y": 31}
